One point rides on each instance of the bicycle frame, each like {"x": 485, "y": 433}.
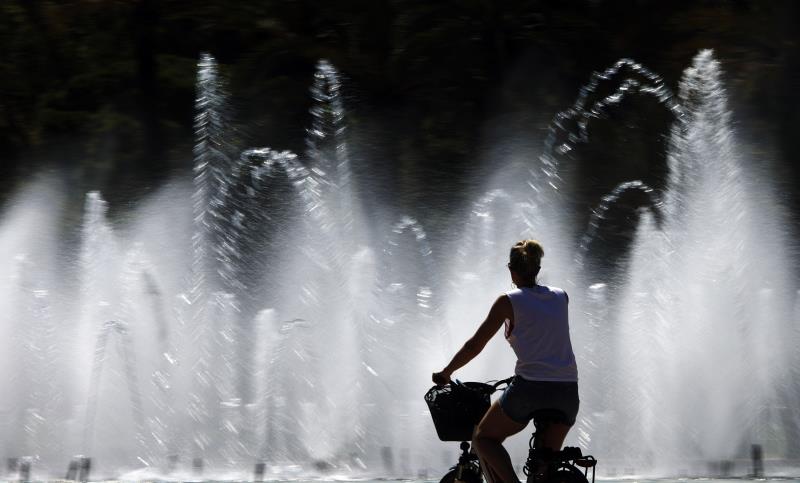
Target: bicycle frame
{"x": 541, "y": 465}
{"x": 544, "y": 463}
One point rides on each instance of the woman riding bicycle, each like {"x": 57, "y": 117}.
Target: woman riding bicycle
{"x": 546, "y": 376}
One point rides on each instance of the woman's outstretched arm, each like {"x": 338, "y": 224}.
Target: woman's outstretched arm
{"x": 500, "y": 311}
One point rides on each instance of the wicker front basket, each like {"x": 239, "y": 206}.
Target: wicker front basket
{"x": 457, "y": 408}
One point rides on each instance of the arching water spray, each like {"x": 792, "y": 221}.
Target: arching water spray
{"x": 571, "y": 127}
{"x": 349, "y": 329}
{"x": 600, "y": 214}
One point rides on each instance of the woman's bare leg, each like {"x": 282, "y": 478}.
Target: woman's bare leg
{"x": 488, "y": 474}
{"x": 554, "y": 436}
{"x": 493, "y": 429}
{"x": 550, "y": 436}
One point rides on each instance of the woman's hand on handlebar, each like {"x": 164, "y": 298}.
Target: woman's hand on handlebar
{"x": 441, "y": 378}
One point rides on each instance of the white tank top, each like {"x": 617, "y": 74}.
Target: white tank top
{"x": 540, "y": 334}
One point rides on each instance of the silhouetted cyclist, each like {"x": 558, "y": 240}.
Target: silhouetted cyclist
{"x": 546, "y": 376}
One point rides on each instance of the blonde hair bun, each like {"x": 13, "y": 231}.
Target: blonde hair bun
{"x": 525, "y": 258}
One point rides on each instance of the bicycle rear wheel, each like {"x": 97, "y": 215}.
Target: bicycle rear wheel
{"x": 468, "y": 475}
{"x": 564, "y": 474}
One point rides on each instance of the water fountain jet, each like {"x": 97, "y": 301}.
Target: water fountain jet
{"x": 289, "y": 335}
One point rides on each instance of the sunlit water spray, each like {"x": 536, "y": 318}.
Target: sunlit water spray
{"x": 250, "y": 316}
{"x": 704, "y": 320}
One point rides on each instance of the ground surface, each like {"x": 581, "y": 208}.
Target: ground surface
{"x": 603, "y": 480}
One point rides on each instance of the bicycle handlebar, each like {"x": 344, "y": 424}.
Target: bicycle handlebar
{"x": 500, "y": 383}
{"x": 493, "y": 385}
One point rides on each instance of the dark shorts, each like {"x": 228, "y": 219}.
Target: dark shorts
{"x": 523, "y": 397}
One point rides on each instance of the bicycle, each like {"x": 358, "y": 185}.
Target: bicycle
{"x": 458, "y": 407}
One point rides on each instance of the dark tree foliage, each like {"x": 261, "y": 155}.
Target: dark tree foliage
{"x": 105, "y": 89}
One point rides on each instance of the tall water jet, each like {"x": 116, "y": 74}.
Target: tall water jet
{"x": 214, "y": 281}
{"x": 283, "y": 426}
{"x": 34, "y": 368}
{"x": 328, "y": 153}
{"x": 109, "y": 333}
{"x": 333, "y": 250}
{"x": 36, "y": 385}
{"x": 715, "y": 245}
{"x": 99, "y": 299}
{"x": 212, "y": 171}
{"x": 592, "y": 360}
{"x": 97, "y": 274}
{"x": 144, "y": 310}
{"x": 409, "y": 328}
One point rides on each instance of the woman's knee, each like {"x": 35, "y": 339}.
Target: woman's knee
{"x": 482, "y": 435}
{"x": 479, "y": 444}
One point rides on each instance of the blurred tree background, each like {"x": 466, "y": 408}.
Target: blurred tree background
{"x": 104, "y": 90}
